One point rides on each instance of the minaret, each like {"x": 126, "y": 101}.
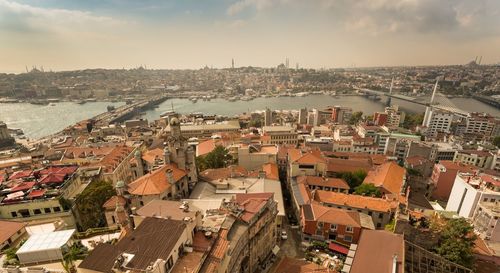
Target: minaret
{"x": 140, "y": 165}
{"x": 232, "y": 63}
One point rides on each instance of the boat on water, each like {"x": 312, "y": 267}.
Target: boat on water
{"x": 193, "y": 99}
{"x": 52, "y": 104}
{"x": 111, "y": 108}
{"x": 91, "y": 100}
{"x": 80, "y": 102}
{"x": 232, "y": 99}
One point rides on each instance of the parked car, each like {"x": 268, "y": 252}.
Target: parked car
{"x": 284, "y": 236}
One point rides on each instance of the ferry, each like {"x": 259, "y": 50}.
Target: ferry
{"x": 80, "y": 102}
{"x": 193, "y": 99}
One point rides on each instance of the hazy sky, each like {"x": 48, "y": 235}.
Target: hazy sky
{"x": 74, "y": 34}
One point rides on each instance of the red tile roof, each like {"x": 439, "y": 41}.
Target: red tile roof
{"x": 338, "y": 165}
{"x": 21, "y": 174}
{"x": 152, "y": 155}
{"x": 252, "y": 203}
{"x": 111, "y": 202}
{"x": 23, "y": 186}
{"x": 355, "y": 201}
{"x": 323, "y": 181}
{"x": 8, "y": 229}
{"x": 52, "y": 178}
{"x": 389, "y": 176}
{"x": 36, "y": 193}
{"x": 223, "y": 173}
{"x": 155, "y": 182}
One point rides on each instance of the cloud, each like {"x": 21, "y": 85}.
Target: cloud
{"x": 258, "y": 5}
{"x": 16, "y": 17}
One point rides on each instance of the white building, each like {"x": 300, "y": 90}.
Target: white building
{"x": 468, "y": 190}
{"x": 45, "y": 247}
{"x": 439, "y": 121}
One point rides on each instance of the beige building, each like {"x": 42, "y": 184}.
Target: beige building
{"x": 480, "y": 159}
{"x": 486, "y": 221}
{"x": 252, "y": 157}
{"x": 280, "y": 134}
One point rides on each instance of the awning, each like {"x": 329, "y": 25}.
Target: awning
{"x": 338, "y": 248}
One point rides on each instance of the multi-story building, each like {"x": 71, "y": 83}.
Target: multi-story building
{"x": 302, "y": 119}
{"x": 438, "y": 121}
{"x": 146, "y": 249}
{"x": 280, "y": 134}
{"x": 468, "y": 190}
{"x": 480, "y": 159}
{"x": 252, "y": 157}
{"x": 206, "y": 130}
{"x": 394, "y": 116}
{"x": 486, "y": 220}
{"x": 323, "y": 223}
{"x": 381, "y": 210}
{"x": 482, "y": 123}
{"x": 268, "y": 117}
{"x": 341, "y": 115}
{"x": 443, "y": 177}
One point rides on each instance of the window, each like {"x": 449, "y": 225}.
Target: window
{"x": 13, "y": 213}
{"x": 47, "y": 210}
{"x": 379, "y": 225}
{"x": 380, "y": 216}
{"x": 37, "y": 211}
{"x": 333, "y": 227}
{"x": 56, "y": 209}
{"x": 348, "y": 229}
{"x": 348, "y": 238}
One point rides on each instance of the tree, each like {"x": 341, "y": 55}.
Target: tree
{"x": 368, "y": 190}
{"x": 412, "y": 120}
{"x": 217, "y": 158}
{"x": 496, "y": 141}
{"x": 353, "y": 179}
{"x": 355, "y": 117}
{"x": 457, "y": 242}
{"x": 89, "y": 204}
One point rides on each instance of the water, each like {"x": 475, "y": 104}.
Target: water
{"x": 41, "y": 120}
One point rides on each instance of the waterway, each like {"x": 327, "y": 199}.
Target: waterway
{"x": 41, "y": 120}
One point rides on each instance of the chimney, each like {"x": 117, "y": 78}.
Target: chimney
{"x": 262, "y": 174}
{"x": 170, "y": 176}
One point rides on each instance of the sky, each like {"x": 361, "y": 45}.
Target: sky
{"x": 76, "y": 34}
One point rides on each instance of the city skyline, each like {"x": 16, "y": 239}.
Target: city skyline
{"x": 70, "y": 35}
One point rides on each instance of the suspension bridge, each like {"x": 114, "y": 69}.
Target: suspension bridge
{"x": 437, "y": 100}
